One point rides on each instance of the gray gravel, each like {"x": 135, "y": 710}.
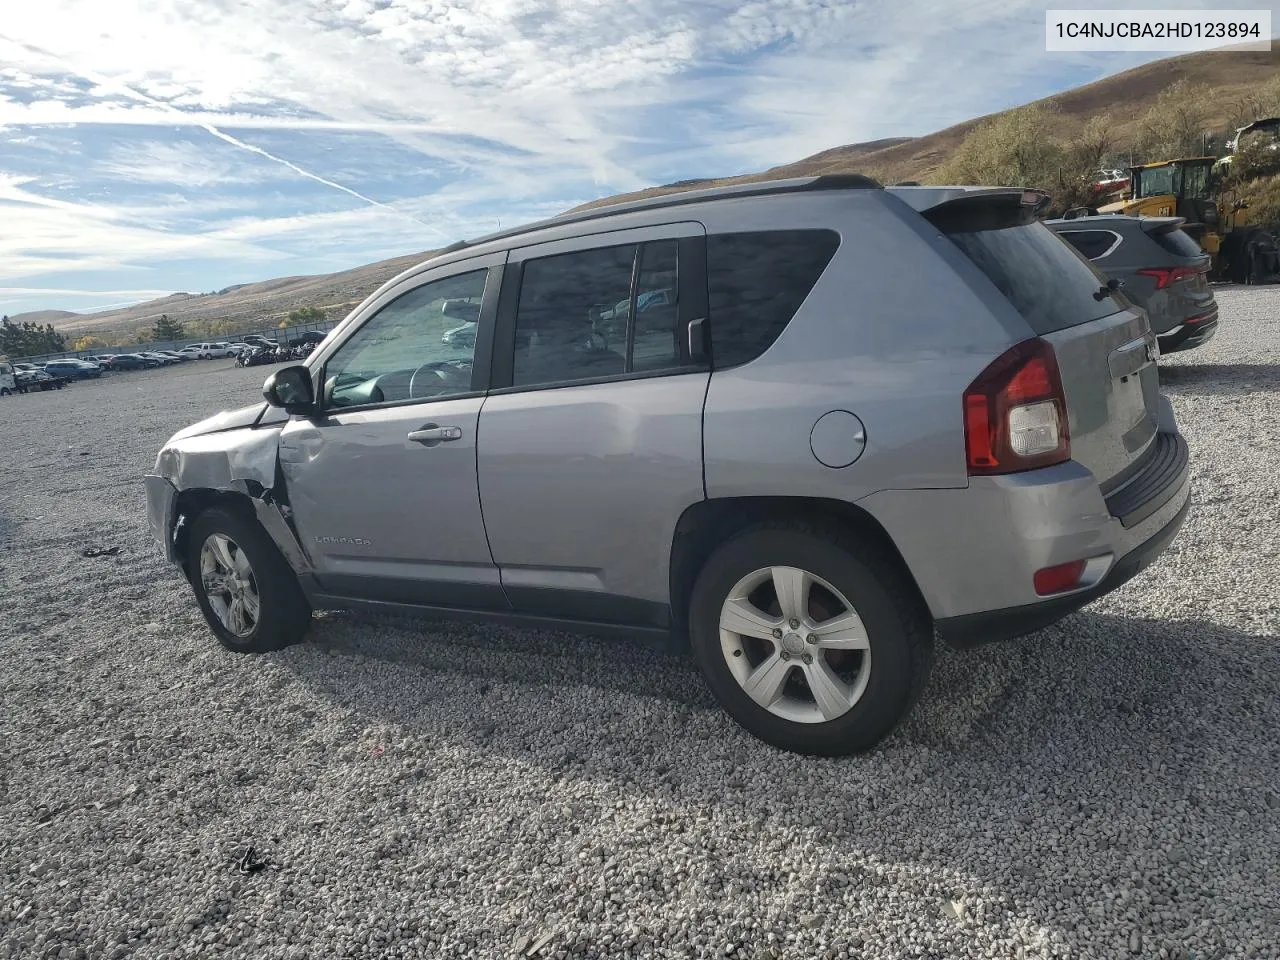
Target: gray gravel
{"x": 1109, "y": 787}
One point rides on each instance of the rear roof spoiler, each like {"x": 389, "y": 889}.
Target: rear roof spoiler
{"x": 1162, "y": 224}
{"x": 965, "y": 209}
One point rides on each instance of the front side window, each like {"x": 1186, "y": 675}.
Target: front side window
{"x": 410, "y": 349}
{"x": 578, "y": 317}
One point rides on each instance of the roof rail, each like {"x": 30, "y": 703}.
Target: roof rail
{"x": 839, "y": 181}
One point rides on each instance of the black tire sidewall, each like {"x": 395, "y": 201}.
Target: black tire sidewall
{"x": 890, "y": 687}
{"x": 282, "y": 611}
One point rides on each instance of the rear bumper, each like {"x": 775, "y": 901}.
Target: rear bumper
{"x": 974, "y": 551}
{"x": 991, "y": 626}
{"x": 1191, "y": 333}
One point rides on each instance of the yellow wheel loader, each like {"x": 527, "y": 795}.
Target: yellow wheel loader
{"x": 1192, "y": 188}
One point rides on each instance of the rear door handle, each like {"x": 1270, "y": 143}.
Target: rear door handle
{"x": 433, "y": 433}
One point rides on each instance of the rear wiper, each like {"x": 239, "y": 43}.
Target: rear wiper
{"x": 1107, "y": 289}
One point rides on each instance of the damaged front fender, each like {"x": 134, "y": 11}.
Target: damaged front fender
{"x": 231, "y": 460}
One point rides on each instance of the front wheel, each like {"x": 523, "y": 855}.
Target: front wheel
{"x": 246, "y": 590}
{"x": 814, "y": 642}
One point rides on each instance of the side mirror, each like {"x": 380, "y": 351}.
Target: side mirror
{"x": 290, "y": 388}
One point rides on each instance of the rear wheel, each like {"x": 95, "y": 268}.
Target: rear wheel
{"x": 246, "y": 590}
{"x": 812, "y": 641}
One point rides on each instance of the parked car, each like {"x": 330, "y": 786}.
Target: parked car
{"x": 1162, "y": 269}
{"x": 174, "y": 356}
{"x": 103, "y": 360}
{"x": 8, "y": 383}
{"x": 238, "y": 347}
{"x": 70, "y": 369}
{"x": 258, "y": 340}
{"x": 868, "y": 414}
{"x": 131, "y": 361}
{"x": 206, "y": 351}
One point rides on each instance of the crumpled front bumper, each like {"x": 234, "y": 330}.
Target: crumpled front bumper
{"x": 162, "y": 513}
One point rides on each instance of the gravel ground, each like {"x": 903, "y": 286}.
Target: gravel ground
{"x": 1108, "y": 787}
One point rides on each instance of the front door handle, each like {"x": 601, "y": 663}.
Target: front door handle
{"x": 433, "y": 433}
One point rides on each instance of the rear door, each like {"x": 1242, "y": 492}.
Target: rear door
{"x": 1104, "y": 345}
{"x": 590, "y": 441}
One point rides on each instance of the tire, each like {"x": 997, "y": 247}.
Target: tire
{"x": 879, "y": 683}
{"x": 283, "y": 614}
{"x": 4, "y": 391}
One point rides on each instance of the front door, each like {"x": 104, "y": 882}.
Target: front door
{"x": 382, "y": 483}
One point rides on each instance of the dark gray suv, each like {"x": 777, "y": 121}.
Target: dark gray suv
{"x": 1162, "y": 268}
{"x": 845, "y": 418}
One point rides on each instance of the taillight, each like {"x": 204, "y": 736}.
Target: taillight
{"x": 1015, "y": 412}
{"x": 1164, "y": 276}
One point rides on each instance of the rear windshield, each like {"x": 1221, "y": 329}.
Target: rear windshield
{"x": 1178, "y": 243}
{"x": 1049, "y": 283}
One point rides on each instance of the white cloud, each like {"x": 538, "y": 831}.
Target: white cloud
{"x": 520, "y": 102}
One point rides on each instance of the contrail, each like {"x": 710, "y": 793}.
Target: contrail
{"x": 308, "y": 174}
{"x": 214, "y": 131}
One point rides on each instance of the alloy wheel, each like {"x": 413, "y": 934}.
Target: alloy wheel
{"x": 229, "y": 584}
{"x": 795, "y": 644}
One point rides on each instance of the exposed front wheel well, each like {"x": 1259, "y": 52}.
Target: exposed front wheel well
{"x": 192, "y": 503}
{"x": 707, "y": 524}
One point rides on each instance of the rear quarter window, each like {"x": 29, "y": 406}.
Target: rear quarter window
{"x": 1092, "y": 243}
{"x": 756, "y": 282}
{"x": 1044, "y": 277}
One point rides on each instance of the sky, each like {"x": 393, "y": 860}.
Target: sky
{"x": 155, "y": 146}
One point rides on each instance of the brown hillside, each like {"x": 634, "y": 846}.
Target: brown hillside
{"x": 268, "y": 301}
{"x": 1230, "y": 75}
{"x": 41, "y": 317}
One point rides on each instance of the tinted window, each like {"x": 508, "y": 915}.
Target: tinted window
{"x": 655, "y": 343}
{"x": 1178, "y": 242}
{"x": 571, "y": 319}
{"x": 1092, "y": 243}
{"x": 1045, "y": 279}
{"x": 402, "y": 352}
{"x": 756, "y": 283}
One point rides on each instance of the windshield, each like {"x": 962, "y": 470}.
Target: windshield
{"x": 1158, "y": 181}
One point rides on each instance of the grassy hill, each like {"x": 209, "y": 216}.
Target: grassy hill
{"x": 1226, "y": 77}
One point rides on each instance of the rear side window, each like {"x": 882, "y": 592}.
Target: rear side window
{"x": 1092, "y": 243}
{"x": 1179, "y": 243}
{"x": 756, "y": 283}
{"x": 1051, "y": 285}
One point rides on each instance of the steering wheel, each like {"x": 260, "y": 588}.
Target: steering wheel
{"x": 438, "y": 375}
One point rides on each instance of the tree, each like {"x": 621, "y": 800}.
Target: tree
{"x": 27, "y": 339}
{"x": 166, "y": 329}
{"x": 88, "y": 343}
{"x": 1013, "y": 149}
{"x": 306, "y": 315}
{"x": 1082, "y": 157}
{"x": 1175, "y": 124}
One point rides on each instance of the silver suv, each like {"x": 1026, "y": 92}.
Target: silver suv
{"x": 859, "y": 416}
